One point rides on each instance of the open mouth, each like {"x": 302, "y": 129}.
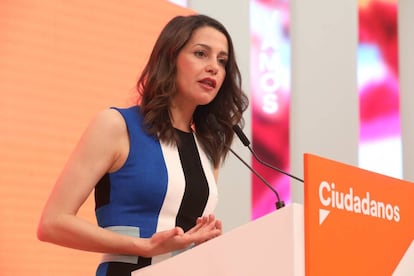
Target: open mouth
{"x": 209, "y": 82}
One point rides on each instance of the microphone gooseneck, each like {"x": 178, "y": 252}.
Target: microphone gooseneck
{"x": 213, "y": 121}
{"x": 246, "y": 143}
{"x": 279, "y": 203}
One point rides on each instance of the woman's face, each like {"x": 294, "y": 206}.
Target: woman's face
{"x": 201, "y": 67}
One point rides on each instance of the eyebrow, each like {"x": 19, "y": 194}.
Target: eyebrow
{"x": 224, "y": 53}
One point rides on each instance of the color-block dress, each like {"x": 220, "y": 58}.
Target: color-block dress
{"x": 159, "y": 187}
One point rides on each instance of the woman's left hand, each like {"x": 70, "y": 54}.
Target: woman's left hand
{"x": 204, "y": 228}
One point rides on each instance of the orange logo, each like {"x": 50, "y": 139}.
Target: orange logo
{"x": 349, "y": 201}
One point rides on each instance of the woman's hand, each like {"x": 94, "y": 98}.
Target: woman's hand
{"x": 206, "y": 228}
{"x": 213, "y": 224}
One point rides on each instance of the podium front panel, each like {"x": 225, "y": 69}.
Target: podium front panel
{"x": 356, "y": 222}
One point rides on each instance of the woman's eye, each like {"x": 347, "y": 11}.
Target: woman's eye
{"x": 199, "y": 53}
{"x": 223, "y": 61}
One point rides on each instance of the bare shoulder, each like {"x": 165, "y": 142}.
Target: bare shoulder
{"x": 110, "y": 128}
{"x": 106, "y": 138}
{"x": 109, "y": 121}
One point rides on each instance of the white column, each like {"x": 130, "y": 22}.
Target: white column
{"x": 406, "y": 60}
{"x": 324, "y": 99}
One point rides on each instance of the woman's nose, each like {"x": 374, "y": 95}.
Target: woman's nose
{"x": 211, "y": 68}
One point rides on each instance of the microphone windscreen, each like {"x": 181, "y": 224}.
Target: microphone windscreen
{"x": 241, "y": 135}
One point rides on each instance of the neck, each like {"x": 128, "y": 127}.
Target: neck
{"x": 182, "y": 119}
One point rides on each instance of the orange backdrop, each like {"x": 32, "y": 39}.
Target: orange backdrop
{"x": 60, "y": 62}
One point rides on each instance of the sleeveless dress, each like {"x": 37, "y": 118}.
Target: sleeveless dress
{"x": 159, "y": 187}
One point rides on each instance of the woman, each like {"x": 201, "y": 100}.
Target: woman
{"x": 154, "y": 166}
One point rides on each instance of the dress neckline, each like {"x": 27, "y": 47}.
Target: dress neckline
{"x": 183, "y": 132}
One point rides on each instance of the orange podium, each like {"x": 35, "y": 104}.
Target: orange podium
{"x": 356, "y": 222}
{"x": 353, "y": 222}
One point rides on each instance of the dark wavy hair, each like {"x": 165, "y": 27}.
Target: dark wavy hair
{"x": 157, "y": 84}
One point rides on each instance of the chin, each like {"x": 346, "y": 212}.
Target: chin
{"x": 206, "y": 102}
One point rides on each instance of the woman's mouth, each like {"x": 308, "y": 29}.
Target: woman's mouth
{"x": 208, "y": 82}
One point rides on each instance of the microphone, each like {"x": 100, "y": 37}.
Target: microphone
{"x": 246, "y": 143}
{"x": 213, "y": 121}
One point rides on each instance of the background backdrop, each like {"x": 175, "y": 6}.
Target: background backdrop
{"x": 61, "y": 62}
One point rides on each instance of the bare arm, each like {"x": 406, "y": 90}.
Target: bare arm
{"x": 103, "y": 148}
